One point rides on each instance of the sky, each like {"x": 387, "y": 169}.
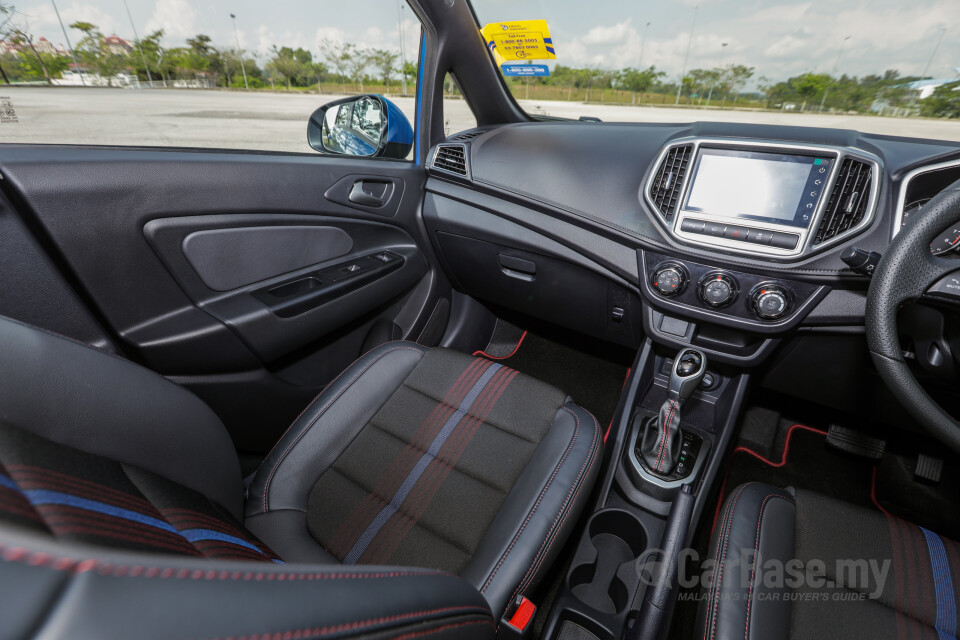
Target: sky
{"x": 779, "y": 38}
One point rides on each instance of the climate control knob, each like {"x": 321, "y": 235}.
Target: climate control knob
{"x": 718, "y": 289}
{"x": 770, "y": 302}
{"x": 669, "y": 279}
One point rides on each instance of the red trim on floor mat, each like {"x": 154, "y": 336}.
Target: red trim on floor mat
{"x": 512, "y": 353}
{"x": 783, "y": 461}
{"x": 625, "y": 378}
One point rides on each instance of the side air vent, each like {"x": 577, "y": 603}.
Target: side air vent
{"x": 467, "y": 135}
{"x": 848, "y": 202}
{"x": 451, "y": 158}
{"x": 666, "y": 187}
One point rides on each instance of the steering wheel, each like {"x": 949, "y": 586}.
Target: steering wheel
{"x": 907, "y": 270}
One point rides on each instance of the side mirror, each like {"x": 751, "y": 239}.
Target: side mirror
{"x": 368, "y": 125}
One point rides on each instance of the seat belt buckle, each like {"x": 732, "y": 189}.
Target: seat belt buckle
{"x": 519, "y": 624}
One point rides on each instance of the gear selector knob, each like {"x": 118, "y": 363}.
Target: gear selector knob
{"x": 686, "y": 374}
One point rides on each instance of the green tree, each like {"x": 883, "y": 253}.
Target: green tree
{"x": 357, "y": 65}
{"x": 338, "y": 54}
{"x": 92, "y": 50}
{"x": 944, "y": 102}
{"x": 291, "y": 64}
{"x": 385, "y": 62}
{"x": 638, "y": 81}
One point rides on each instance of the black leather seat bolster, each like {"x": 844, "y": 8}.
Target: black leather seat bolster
{"x": 539, "y": 511}
{"x": 308, "y": 448}
{"x": 97, "y": 402}
{"x": 84, "y": 593}
{"x": 757, "y": 522}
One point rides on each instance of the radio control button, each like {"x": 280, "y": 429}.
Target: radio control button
{"x": 692, "y": 226}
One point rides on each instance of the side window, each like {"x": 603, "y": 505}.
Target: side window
{"x": 218, "y": 76}
{"x": 457, "y": 114}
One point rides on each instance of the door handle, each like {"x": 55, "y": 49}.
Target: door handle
{"x": 369, "y": 193}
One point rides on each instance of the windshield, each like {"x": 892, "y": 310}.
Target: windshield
{"x": 881, "y": 66}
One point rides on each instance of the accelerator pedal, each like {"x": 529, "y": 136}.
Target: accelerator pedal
{"x": 928, "y": 468}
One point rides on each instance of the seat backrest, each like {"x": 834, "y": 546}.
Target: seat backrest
{"x": 76, "y": 395}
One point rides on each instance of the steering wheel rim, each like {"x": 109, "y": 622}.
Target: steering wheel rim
{"x": 905, "y": 272}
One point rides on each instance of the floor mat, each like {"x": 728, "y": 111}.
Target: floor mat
{"x": 593, "y": 381}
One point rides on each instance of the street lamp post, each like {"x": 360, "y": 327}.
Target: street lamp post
{"x": 836, "y": 66}
{"x": 723, "y": 48}
{"x": 139, "y": 44}
{"x": 686, "y": 57}
{"x": 643, "y": 43}
{"x": 933, "y": 54}
{"x": 236, "y": 37}
{"x": 69, "y": 46}
{"x": 403, "y": 58}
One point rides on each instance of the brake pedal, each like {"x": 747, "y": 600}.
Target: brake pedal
{"x": 852, "y": 441}
{"x": 928, "y": 468}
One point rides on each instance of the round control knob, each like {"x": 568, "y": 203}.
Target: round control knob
{"x": 669, "y": 279}
{"x": 718, "y": 289}
{"x": 770, "y": 302}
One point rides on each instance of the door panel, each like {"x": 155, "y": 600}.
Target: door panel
{"x": 251, "y": 278}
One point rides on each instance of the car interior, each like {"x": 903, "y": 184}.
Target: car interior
{"x": 545, "y": 380}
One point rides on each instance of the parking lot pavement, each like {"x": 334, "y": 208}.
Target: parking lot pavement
{"x": 277, "y": 121}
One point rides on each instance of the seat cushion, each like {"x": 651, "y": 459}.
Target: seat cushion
{"x": 430, "y": 458}
{"x": 72, "y": 496}
{"x": 848, "y": 571}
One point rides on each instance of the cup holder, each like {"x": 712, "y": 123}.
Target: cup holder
{"x": 604, "y": 574}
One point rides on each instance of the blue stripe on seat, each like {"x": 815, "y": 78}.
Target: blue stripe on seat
{"x": 7, "y": 483}
{"x": 418, "y": 469}
{"x": 194, "y": 535}
{"x": 43, "y": 496}
{"x": 946, "y": 623}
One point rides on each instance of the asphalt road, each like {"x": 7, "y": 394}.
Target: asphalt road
{"x": 269, "y": 121}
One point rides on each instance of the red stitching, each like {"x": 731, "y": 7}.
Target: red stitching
{"x": 564, "y": 509}
{"x": 536, "y": 505}
{"x": 72, "y": 565}
{"x": 665, "y": 442}
{"x": 416, "y": 634}
{"x": 718, "y": 579}
{"x": 351, "y": 626}
{"x": 756, "y": 550}
{"x": 266, "y": 486}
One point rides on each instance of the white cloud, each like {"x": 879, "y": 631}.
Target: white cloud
{"x": 177, "y": 18}
{"x": 610, "y": 34}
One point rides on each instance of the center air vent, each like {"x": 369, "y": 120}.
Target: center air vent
{"x": 666, "y": 187}
{"x": 848, "y": 202}
{"x": 451, "y": 158}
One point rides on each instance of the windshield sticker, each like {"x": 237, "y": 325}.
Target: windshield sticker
{"x": 521, "y": 40}
{"x": 525, "y": 70}
{"x": 7, "y": 114}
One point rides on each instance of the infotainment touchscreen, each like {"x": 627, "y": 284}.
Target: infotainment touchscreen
{"x": 767, "y": 187}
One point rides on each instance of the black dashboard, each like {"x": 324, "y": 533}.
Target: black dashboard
{"x": 729, "y": 235}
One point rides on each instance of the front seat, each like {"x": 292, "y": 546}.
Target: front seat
{"x": 120, "y": 493}
{"x": 796, "y": 564}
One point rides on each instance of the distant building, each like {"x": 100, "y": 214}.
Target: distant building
{"x": 925, "y": 88}
{"x": 118, "y": 45}
{"x": 42, "y": 46}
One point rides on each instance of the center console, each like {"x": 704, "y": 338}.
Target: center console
{"x": 779, "y": 200}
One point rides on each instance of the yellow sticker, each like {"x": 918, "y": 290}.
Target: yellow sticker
{"x": 519, "y": 40}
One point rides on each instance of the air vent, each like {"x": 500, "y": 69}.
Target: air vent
{"x": 666, "y": 187}
{"x": 848, "y": 202}
{"x": 451, "y": 158}
{"x": 467, "y": 135}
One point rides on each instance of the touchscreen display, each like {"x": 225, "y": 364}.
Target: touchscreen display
{"x": 768, "y": 187}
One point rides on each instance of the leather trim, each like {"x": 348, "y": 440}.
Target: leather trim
{"x": 98, "y": 402}
{"x": 82, "y": 592}
{"x": 537, "y": 512}
{"x": 757, "y": 519}
{"x": 346, "y": 405}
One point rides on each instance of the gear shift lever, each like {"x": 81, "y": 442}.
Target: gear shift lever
{"x": 662, "y": 438}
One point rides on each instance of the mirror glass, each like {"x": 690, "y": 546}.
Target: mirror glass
{"x": 354, "y": 128}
